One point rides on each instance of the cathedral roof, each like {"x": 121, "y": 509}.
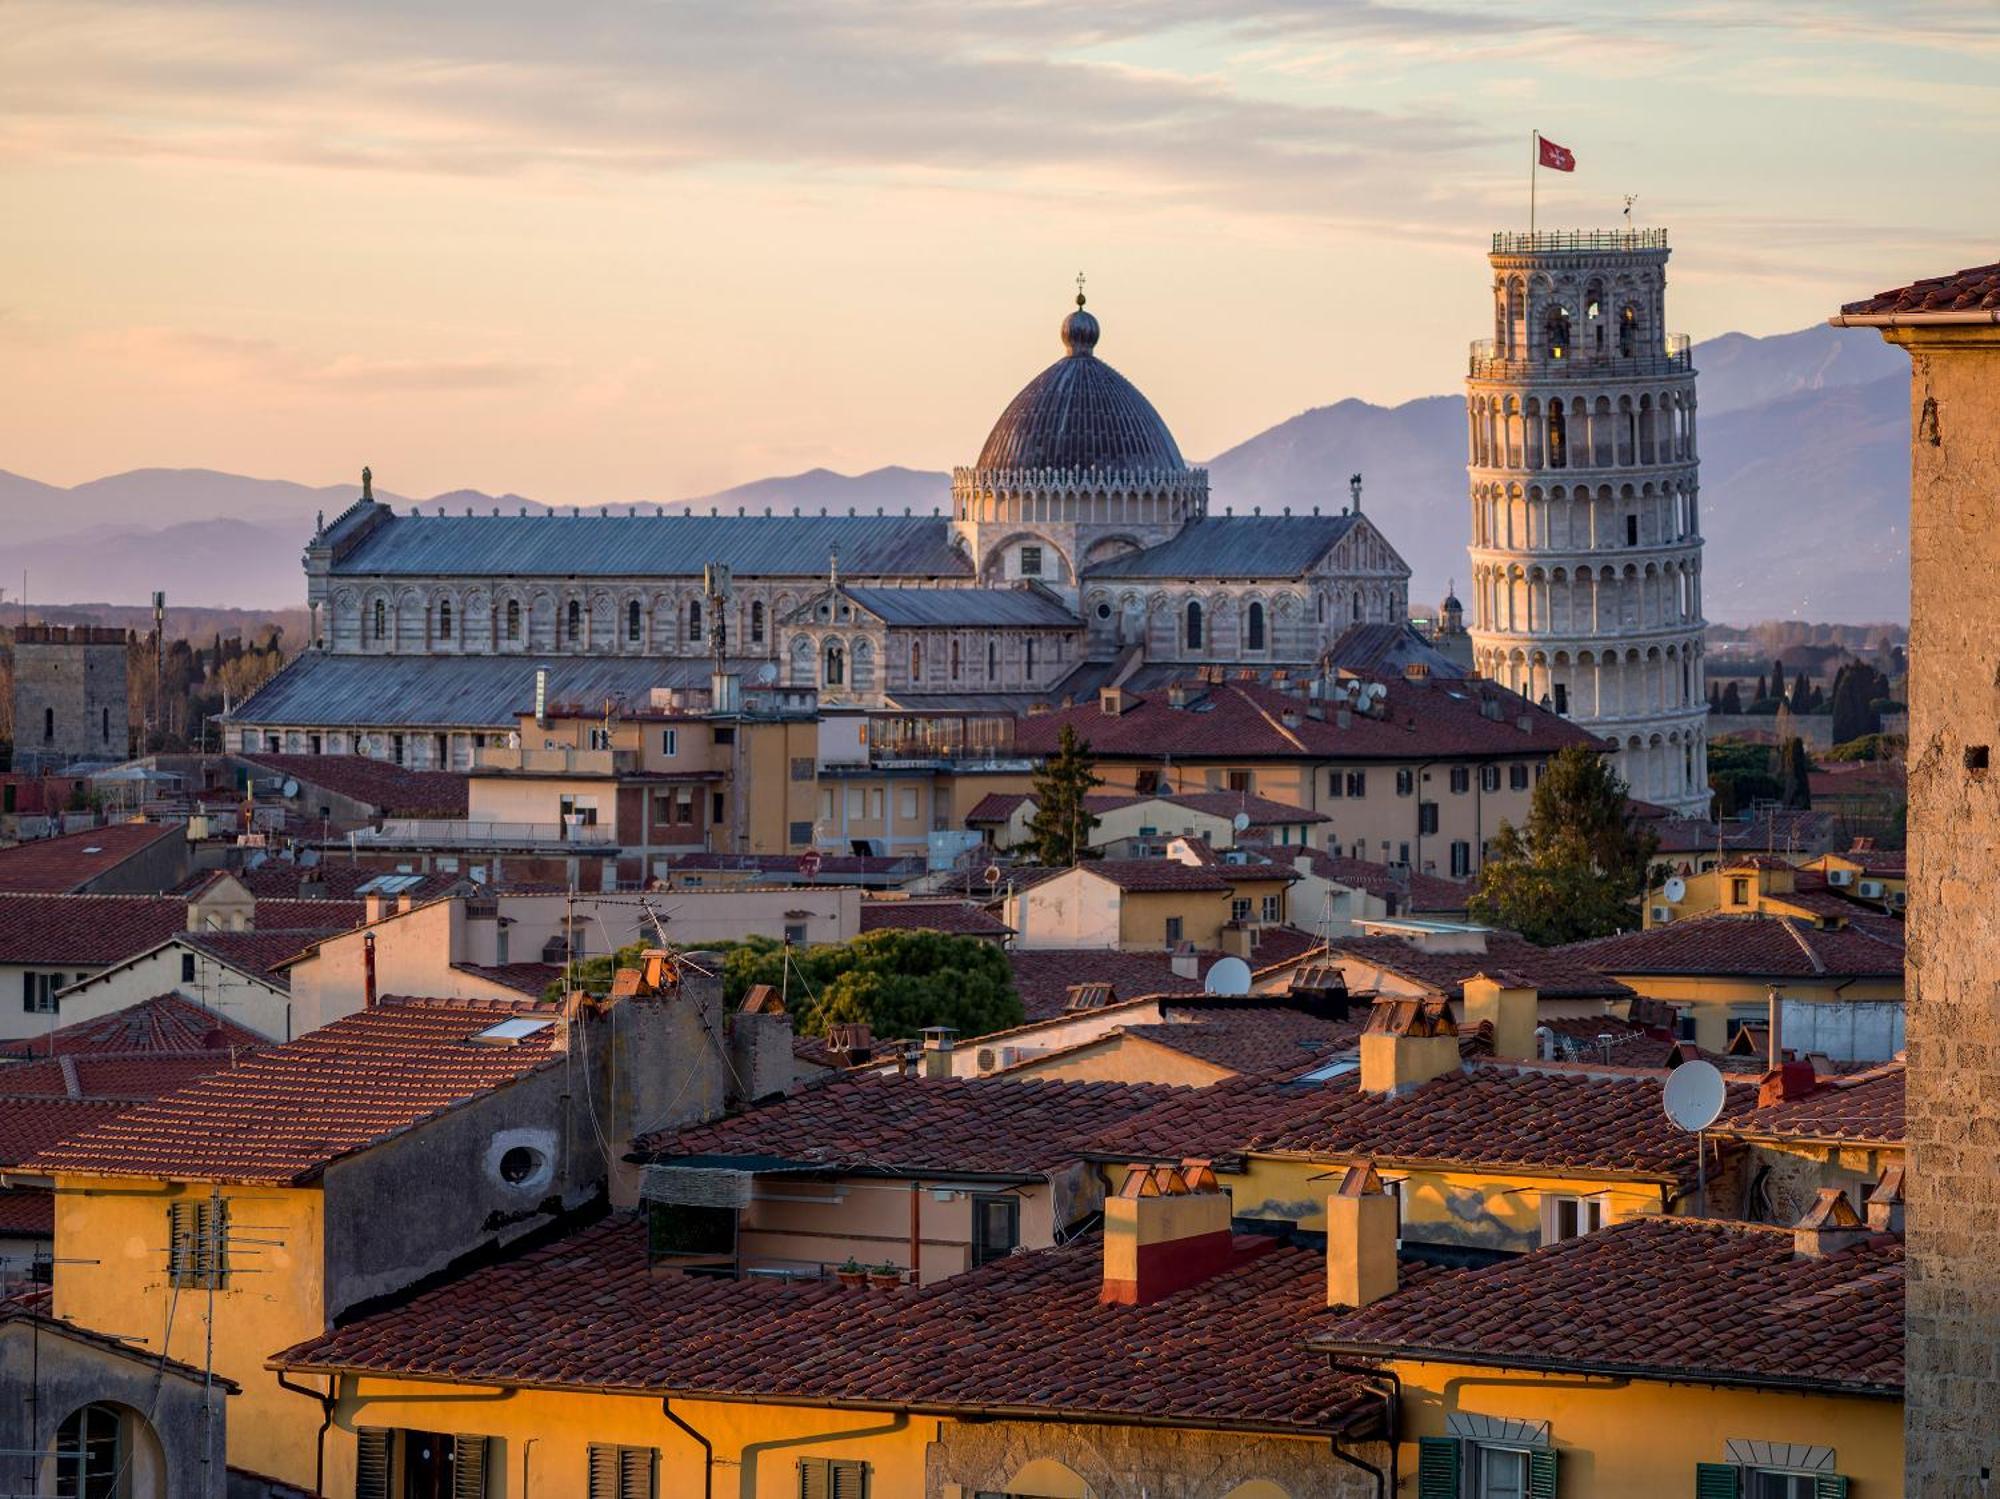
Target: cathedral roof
{"x": 1080, "y": 413}
{"x": 1234, "y": 546}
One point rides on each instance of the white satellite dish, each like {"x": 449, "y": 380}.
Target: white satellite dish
{"x": 1240, "y": 821}
{"x": 1694, "y": 1096}
{"x": 1228, "y": 976}
{"x": 991, "y": 874}
{"x": 1674, "y": 889}
{"x": 289, "y": 790}
{"x": 767, "y": 673}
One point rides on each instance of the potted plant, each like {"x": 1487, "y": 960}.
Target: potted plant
{"x": 851, "y": 1274}
{"x": 885, "y": 1277}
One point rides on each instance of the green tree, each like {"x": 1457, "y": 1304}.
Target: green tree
{"x": 1794, "y": 774}
{"x": 1579, "y": 866}
{"x": 1856, "y": 687}
{"x": 1061, "y": 827}
{"x": 1740, "y": 776}
{"x": 1762, "y": 690}
{"x": 1732, "y": 700}
{"x": 1801, "y": 700}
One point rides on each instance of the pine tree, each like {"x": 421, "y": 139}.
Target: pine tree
{"x": 1802, "y": 692}
{"x": 1062, "y": 824}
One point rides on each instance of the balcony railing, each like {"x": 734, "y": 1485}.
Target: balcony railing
{"x": 893, "y": 739}
{"x": 1485, "y": 362}
{"x": 560, "y": 759}
{"x": 1517, "y": 242}
{"x": 427, "y": 832}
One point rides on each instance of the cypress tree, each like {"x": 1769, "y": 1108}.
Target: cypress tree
{"x": 1062, "y": 825}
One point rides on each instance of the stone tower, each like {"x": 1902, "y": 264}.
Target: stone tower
{"x": 1586, "y": 536}
{"x": 1950, "y": 327}
{"x": 69, "y": 696}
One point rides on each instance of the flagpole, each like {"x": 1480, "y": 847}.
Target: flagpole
{"x": 1534, "y": 168}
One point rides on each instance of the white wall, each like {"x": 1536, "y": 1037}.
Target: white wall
{"x": 1077, "y": 909}
{"x": 264, "y": 1008}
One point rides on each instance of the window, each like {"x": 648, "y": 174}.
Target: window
{"x": 795, "y": 931}
{"x": 1173, "y": 931}
{"x": 757, "y": 622}
{"x": 996, "y": 1226}
{"x": 670, "y": 742}
{"x": 1357, "y": 783}
{"x": 1239, "y": 910}
{"x": 513, "y": 619}
{"x": 1147, "y": 783}
{"x": 90, "y": 1454}
{"x": 197, "y": 1241}
{"x": 187, "y": 968}
{"x": 1406, "y": 783}
{"x": 1402, "y": 853}
{"x": 1254, "y": 627}
{"x": 381, "y": 620}
{"x": 1461, "y": 779}
{"x": 906, "y": 803}
{"x": 632, "y": 620}
{"x": 802, "y": 768}
{"x": 1517, "y": 778}
{"x": 715, "y": 805}
{"x": 1562, "y": 699}
{"x": 444, "y": 619}
{"x": 1029, "y": 648}
{"x": 992, "y": 661}
{"x": 104, "y": 729}
{"x": 1739, "y": 890}
{"x": 1334, "y": 784}
{"x": 1489, "y": 778}
{"x": 1449, "y": 1467}
{"x": 582, "y": 808}
{"x": 832, "y": 1478}
{"x": 574, "y": 624}
{"x": 38, "y": 992}
{"x": 1238, "y": 780}
{"x": 623, "y": 1472}
{"x": 836, "y": 665}
{"x": 1031, "y": 562}
{"x": 798, "y": 832}
{"x": 1270, "y": 908}
{"x": 1427, "y": 818}
{"x": 916, "y": 660}
{"x": 723, "y": 733}
{"x": 397, "y": 1464}
{"x": 1734, "y": 1481}
{"x": 954, "y": 660}
{"x": 599, "y": 737}
{"x": 1565, "y": 1217}
{"x": 1461, "y": 859}
{"x": 1193, "y": 625}
{"x": 1631, "y": 530}
{"x": 694, "y": 621}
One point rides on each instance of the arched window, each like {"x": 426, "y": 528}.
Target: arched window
{"x": 992, "y": 661}
{"x": 916, "y": 660}
{"x": 1628, "y": 330}
{"x": 513, "y": 619}
{"x": 632, "y": 620}
{"x": 836, "y": 665}
{"x": 574, "y": 621}
{"x": 1558, "y": 437}
{"x": 1557, "y": 327}
{"x": 381, "y": 620}
{"x": 1254, "y": 629}
{"x": 1194, "y": 625}
{"x": 444, "y": 619}
{"x": 1357, "y": 605}
{"x": 694, "y": 621}
{"x": 97, "y": 1449}
{"x": 955, "y": 661}
{"x": 757, "y": 622}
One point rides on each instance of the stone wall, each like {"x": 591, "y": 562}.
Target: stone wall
{"x": 1143, "y": 1462}
{"x": 69, "y": 697}
{"x": 1953, "y": 1403}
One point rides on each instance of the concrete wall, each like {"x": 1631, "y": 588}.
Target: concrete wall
{"x": 1072, "y": 910}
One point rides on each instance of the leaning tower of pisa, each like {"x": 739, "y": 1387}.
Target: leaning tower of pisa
{"x": 1586, "y": 534}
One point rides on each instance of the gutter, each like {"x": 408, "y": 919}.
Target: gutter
{"x": 1413, "y": 1354}
{"x": 1969, "y": 318}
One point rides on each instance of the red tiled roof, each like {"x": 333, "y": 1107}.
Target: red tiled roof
{"x": 1277, "y": 945}
{"x": 1660, "y": 1298}
{"x": 1442, "y": 720}
{"x": 1158, "y": 874}
{"x": 995, "y": 806}
{"x": 125, "y": 1077}
{"x": 389, "y": 789}
{"x": 281, "y": 879}
{"x": 1264, "y": 1040}
{"x": 1043, "y": 976}
{"x": 1974, "y": 289}
{"x": 166, "y": 1022}
{"x": 959, "y": 917}
{"x": 53, "y": 865}
{"x": 1411, "y": 891}
{"x": 263, "y": 952}
{"x": 1490, "y": 1116}
{"x": 872, "y": 1122}
{"x": 99, "y": 930}
{"x": 1861, "y": 1109}
{"x": 1748, "y": 946}
{"x": 281, "y": 1116}
{"x": 28, "y": 1212}
{"x": 1023, "y": 1335}
{"x": 30, "y": 1125}
{"x": 34, "y": 1306}
{"x": 1556, "y": 972}
{"x": 1262, "y": 810}
{"x": 524, "y": 978}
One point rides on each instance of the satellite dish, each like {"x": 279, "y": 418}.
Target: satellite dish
{"x": 289, "y": 790}
{"x": 767, "y": 673}
{"x": 990, "y": 874}
{"x": 1674, "y": 889}
{"x": 1694, "y": 1096}
{"x": 1240, "y": 821}
{"x": 1229, "y": 976}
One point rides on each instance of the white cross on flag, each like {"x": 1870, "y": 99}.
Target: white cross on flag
{"x": 1557, "y": 158}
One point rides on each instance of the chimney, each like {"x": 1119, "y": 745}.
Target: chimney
{"x": 1166, "y": 1230}
{"x": 1406, "y": 1043}
{"x": 404, "y": 902}
{"x": 1176, "y": 696}
{"x": 372, "y": 905}
{"x": 1885, "y": 1203}
{"x": 760, "y": 1044}
{"x": 909, "y": 1060}
{"x": 1830, "y": 1226}
{"x": 939, "y": 1044}
{"x": 1186, "y": 964}
{"x": 1111, "y": 701}
{"x": 1513, "y": 1008}
{"x": 368, "y": 971}
{"x": 1361, "y": 1231}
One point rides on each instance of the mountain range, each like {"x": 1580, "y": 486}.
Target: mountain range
{"x": 1804, "y": 495}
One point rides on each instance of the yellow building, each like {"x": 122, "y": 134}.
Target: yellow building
{"x": 1157, "y": 904}
{"x": 1866, "y": 873}
{"x": 1658, "y": 1358}
{"x": 1823, "y": 891}
{"x": 1846, "y": 1132}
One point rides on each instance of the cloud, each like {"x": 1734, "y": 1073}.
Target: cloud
{"x": 185, "y": 353}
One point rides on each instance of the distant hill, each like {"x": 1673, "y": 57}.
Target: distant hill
{"x": 1805, "y": 494}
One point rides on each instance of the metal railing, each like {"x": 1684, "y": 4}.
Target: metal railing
{"x": 427, "y": 832}
{"x": 1527, "y": 242}
{"x": 1485, "y": 362}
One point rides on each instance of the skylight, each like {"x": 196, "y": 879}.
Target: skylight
{"x": 512, "y": 1032}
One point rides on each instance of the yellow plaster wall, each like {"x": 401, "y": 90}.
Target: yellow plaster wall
{"x": 1713, "y": 1000}
{"x": 111, "y": 1275}
{"x": 1124, "y": 1059}
{"x": 869, "y": 1220}
{"x": 1142, "y": 918}
{"x": 1642, "y": 1439}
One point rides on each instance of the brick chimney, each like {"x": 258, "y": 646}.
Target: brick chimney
{"x": 1829, "y": 1227}
{"x": 940, "y": 1047}
{"x": 1885, "y": 1203}
{"x": 760, "y": 1044}
{"x": 1406, "y": 1043}
{"x": 1166, "y": 1230}
{"x": 1511, "y": 1005}
{"x": 1361, "y": 1231}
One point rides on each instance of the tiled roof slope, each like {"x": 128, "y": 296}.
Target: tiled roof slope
{"x": 1144, "y": 875}
{"x": 129, "y": 1077}
{"x": 27, "y": 1212}
{"x": 1556, "y": 972}
{"x": 1863, "y": 1109}
{"x": 99, "y": 930}
{"x": 1751, "y": 946}
{"x": 1413, "y": 892}
{"x": 280, "y": 879}
{"x": 893, "y": 1124}
{"x": 164, "y": 1023}
{"x": 389, "y": 788}
{"x": 1043, "y": 976}
{"x": 30, "y": 1125}
{"x": 1974, "y": 289}
{"x": 1239, "y": 718}
{"x": 1661, "y": 1298}
{"x": 959, "y": 917}
{"x": 52, "y": 865}
{"x": 1493, "y": 1116}
{"x": 1022, "y": 1335}
{"x": 281, "y": 1116}
{"x": 523, "y": 978}
{"x": 1267, "y": 1040}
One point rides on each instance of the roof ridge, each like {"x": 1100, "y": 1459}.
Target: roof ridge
{"x": 1798, "y": 936}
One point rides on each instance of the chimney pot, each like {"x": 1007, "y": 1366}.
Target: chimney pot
{"x": 1406, "y": 1043}
{"x": 1885, "y": 1202}
{"x": 1166, "y": 1229}
{"x": 1361, "y": 1233}
{"x": 1830, "y": 1226}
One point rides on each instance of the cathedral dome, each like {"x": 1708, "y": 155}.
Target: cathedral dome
{"x": 1081, "y": 413}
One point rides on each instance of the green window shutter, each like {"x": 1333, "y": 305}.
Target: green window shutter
{"x": 371, "y": 1463}
{"x": 468, "y": 1467}
{"x": 636, "y": 1469}
{"x": 1437, "y": 1467}
{"x": 850, "y": 1480}
{"x": 1830, "y": 1486}
{"x": 603, "y": 1471}
{"x": 814, "y": 1481}
{"x": 1542, "y": 1473}
{"x": 1717, "y": 1481}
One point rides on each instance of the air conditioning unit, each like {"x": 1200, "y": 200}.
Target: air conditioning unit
{"x": 1662, "y": 914}
{"x": 1840, "y": 876}
{"x": 1872, "y": 889}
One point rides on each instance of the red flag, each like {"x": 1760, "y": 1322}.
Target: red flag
{"x": 1557, "y": 158}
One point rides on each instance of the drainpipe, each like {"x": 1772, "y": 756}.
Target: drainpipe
{"x": 1392, "y": 1413}
{"x": 707, "y": 1447}
{"x": 368, "y": 971}
{"x": 326, "y": 1404}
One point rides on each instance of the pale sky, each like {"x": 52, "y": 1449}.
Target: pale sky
{"x": 593, "y": 251}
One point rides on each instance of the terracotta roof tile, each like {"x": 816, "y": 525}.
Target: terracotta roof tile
{"x": 390, "y": 789}
{"x": 128, "y": 1077}
{"x": 29, "y": 1212}
{"x": 1043, "y": 976}
{"x": 532, "y": 979}
{"x": 1749, "y": 946}
{"x": 1557, "y": 972}
{"x": 1411, "y": 892}
{"x": 1157, "y": 874}
{"x": 53, "y": 865}
{"x": 281, "y": 879}
{"x": 1861, "y": 1109}
{"x": 1265, "y": 1040}
{"x": 282, "y": 1115}
{"x": 31, "y": 1125}
{"x": 959, "y": 917}
{"x": 1977, "y": 288}
{"x": 99, "y": 930}
{"x": 1662, "y": 1298}
{"x": 1025, "y": 1334}
{"x": 166, "y": 1022}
